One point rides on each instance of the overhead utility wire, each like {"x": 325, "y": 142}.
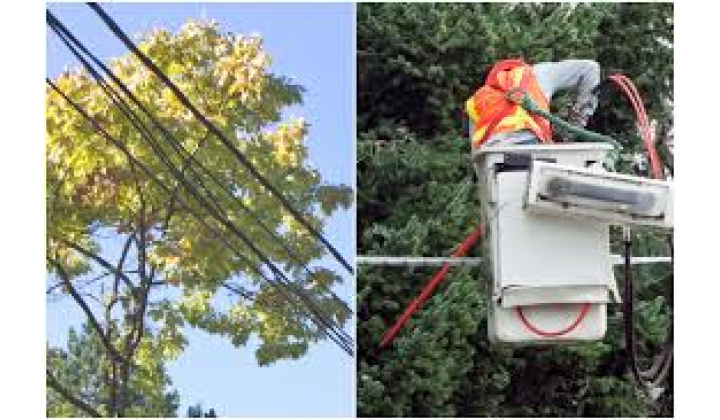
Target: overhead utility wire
{"x": 140, "y": 126}
{"x": 298, "y": 291}
{"x": 476, "y": 261}
{"x": 282, "y": 279}
{"x": 327, "y": 323}
{"x": 243, "y": 257}
{"x": 168, "y": 190}
{"x": 115, "y": 29}
{"x": 177, "y": 146}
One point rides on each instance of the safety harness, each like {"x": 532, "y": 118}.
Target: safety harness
{"x": 493, "y": 108}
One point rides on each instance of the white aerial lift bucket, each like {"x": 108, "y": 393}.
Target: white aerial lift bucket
{"x": 552, "y": 276}
{"x": 548, "y": 209}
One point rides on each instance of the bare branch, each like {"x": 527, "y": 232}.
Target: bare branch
{"x": 124, "y": 254}
{"x": 111, "y": 371}
{"x": 104, "y": 263}
{"x": 88, "y": 282}
{"x": 88, "y": 312}
{"x": 140, "y": 293}
{"x": 93, "y": 297}
{"x": 53, "y": 287}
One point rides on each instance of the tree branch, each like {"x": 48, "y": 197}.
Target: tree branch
{"x": 124, "y": 254}
{"x": 104, "y": 263}
{"x": 111, "y": 372}
{"x": 247, "y": 295}
{"x": 53, "y": 287}
{"x": 116, "y": 401}
{"x": 88, "y": 282}
{"x": 140, "y": 295}
{"x": 57, "y": 387}
{"x": 185, "y": 165}
{"x": 142, "y": 291}
{"x": 173, "y": 198}
{"x": 88, "y": 312}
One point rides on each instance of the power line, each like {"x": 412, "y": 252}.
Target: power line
{"x": 215, "y": 234}
{"x": 177, "y": 146}
{"x": 416, "y": 261}
{"x": 339, "y": 341}
{"x": 216, "y": 214}
{"x": 119, "y": 102}
{"x": 471, "y": 261}
{"x": 118, "y": 32}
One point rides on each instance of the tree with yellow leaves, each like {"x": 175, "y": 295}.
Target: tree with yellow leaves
{"x": 140, "y": 243}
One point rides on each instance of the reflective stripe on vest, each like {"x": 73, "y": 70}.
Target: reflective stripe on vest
{"x": 492, "y": 113}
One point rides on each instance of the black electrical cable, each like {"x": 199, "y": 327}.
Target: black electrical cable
{"x": 345, "y": 346}
{"x": 336, "y": 329}
{"x": 117, "y": 31}
{"x": 217, "y": 214}
{"x": 657, "y": 373}
{"x": 339, "y": 341}
{"x": 249, "y": 263}
{"x": 653, "y": 377}
{"x": 182, "y": 151}
{"x": 177, "y": 146}
{"x": 166, "y": 160}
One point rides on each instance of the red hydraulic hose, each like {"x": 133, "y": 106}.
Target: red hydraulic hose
{"x": 430, "y": 286}
{"x": 658, "y": 371}
{"x": 633, "y": 96}
{"x": 641, "y": 118}
{"x": 644, "y": 125}
{"x": 585, "y": 309}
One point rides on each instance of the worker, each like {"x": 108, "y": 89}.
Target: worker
{"x": 496, "y": 120}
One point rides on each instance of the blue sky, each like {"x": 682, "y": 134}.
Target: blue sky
{"x": 314, "y": 45}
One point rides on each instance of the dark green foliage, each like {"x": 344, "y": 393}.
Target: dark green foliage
{"x": 197, "y": 411}
{"x": 85, "y": 371}
{"x": 417, "y": 64}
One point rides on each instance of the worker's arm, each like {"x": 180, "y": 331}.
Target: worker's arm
{"x": 581, "y": 76}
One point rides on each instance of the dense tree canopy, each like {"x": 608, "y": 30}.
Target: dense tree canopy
{"x": 82, "y": 368}
{"x": 138, "y": 259}
{"x": 417, "y": 64}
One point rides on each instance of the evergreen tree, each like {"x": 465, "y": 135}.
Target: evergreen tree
{"x": 417, "y": 64}
{"x": 85, "y": 371}
{"x": 197, "y": 411}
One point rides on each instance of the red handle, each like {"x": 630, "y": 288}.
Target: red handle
{"x": 430, "y": 287}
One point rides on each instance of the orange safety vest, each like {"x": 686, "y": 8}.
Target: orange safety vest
{"x": 492, "y": 112}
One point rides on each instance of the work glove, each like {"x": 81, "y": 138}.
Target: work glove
{"x": 601, "y": 92}
{"x": 577, "y": 117}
